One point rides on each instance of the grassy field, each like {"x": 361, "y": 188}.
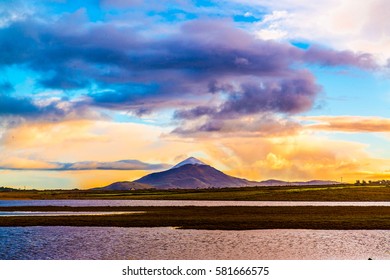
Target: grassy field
{"x": 215, "y": 218}
{"x": 283, "y": 193}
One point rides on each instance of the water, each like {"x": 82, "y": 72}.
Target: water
{"x": 75, "y": 203}
{"x": 167, "y": 243}
{"x": 60, "y": 213}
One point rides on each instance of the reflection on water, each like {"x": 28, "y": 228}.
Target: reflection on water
{"x": 167, "y": 243}
{"x": 59, "y": 213}
{"x": 75, "y": 203}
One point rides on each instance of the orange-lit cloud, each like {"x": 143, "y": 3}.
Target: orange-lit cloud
{"x": 64, "y": 118}
{"x": 99, "y": 178}
{"x": 298, "y": 156}
{"x": 47, "y": 146}
{"x": 304, "y": 157}
{"x": 349, "y": 123}
{"x": 27, "y": 164}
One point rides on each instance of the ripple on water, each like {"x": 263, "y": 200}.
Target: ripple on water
{"x": 167, "y": 243}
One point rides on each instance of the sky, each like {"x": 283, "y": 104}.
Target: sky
{"x": 93, "y": 92}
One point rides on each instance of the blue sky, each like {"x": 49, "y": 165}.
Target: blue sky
{"x": 259, "y": 89}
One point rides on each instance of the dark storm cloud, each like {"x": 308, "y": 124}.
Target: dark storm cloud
{"x": 289, "y": 96}
{"x": 285, "y": 96}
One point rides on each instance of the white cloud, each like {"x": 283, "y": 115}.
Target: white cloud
{"x": 357, "y": 25}
{"x": 12, "y": 11}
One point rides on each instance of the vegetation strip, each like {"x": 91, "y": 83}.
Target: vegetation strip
{"x": 215, "y": 218}
{"x": 343, "y": 192}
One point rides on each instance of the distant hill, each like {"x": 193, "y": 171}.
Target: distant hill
{"x": 273, "y": 182}
{"x": 7, "y": 189}
{"x": 123, "y": 186}
{"x": 195, "y": 174}
{"x": 316, "y": 182}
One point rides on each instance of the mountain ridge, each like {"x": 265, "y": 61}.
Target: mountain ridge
{"x": 192, "y": 173}
{"x": 123, "y": 186}
{"x": 192, "y": 176}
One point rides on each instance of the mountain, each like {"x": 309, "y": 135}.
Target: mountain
{"x": 123, "y": 186}
{"x": 195, "y": 174}
{"x": 192, "y": 174}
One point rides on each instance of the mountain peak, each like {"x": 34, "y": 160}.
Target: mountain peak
{"x": 190, "y": 160}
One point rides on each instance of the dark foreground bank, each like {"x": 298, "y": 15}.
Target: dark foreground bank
{"x": 214, "y": 218}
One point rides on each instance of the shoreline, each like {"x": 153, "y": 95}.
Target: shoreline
{"x": 214, "y": 218}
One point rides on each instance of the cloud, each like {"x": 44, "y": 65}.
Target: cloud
{"x": 120, "y": 3}
{"x": 16, "y": 110}
{"x": 260, "y": 125}
{"x": 6, "y": 88}
{"x": 296, "y": 157}
{"x": 116, "y": 165}
{"x": 285, "y": 96}
{"x": 120, "y": 68}
{"x": 24, "y": 106}
{"x": 348, "y": 123}
{"x": 16, "y": 10}
{"x": 28, "y": 164}
{"x": 357, "y": 26}
{"x": 254, "y": 107}
{"x": 228, "y": 86}
{"x": 328, "y": 57}
{"x": 78, "y": 141}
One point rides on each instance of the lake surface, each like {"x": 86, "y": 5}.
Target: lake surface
{"x": 60, "y": 213}
{"x": 168, "y": 243}
{"x": 75, "y": 203}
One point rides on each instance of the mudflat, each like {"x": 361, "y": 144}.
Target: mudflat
{"x": 214, "y": 218}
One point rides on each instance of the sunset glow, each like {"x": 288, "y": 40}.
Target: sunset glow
{"x": 93, "y": 92}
